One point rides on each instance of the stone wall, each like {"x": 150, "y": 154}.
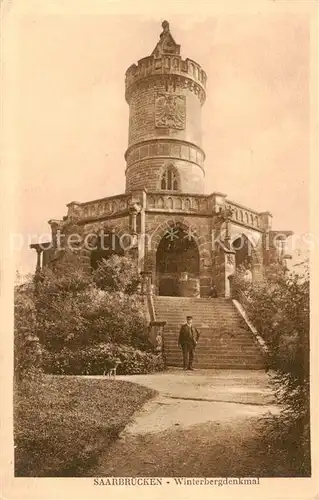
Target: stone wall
{"x": 165, "y": 95}
{"x": 147, "y": 174}
{"x": 144, "y": 103}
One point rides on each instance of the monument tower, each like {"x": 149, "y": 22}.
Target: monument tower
{"x": 165, "y": 94}
{"x": 181, "y": 238}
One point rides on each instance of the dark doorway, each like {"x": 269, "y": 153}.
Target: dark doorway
{"x": 177, "y": 254}
{"x": 107, "y": 244}
{"x": 243, "y": 248}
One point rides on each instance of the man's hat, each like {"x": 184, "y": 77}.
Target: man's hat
{"x": 189, "y": 317}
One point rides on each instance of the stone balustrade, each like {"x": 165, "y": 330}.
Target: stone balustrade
{"x": 177, "y": 202}
{"x": 243, "y": 215}
{"x": 163, "y": 201}
{"x": 99, "y": 208}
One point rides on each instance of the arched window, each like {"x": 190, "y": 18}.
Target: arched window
{"x": 169, "y": 180}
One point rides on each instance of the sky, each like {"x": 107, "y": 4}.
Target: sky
{"x": 71, "y": 119}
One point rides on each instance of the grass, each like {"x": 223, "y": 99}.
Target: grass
{"x": 62, "y": 424}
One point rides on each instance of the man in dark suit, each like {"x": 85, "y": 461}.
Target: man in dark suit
{"x": 188, "y": 338}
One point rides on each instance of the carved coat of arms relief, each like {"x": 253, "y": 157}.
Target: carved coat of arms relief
{"x": 170, "y": 111}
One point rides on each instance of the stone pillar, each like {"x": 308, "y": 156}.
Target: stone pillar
{"x": 147, "y": 282}
{"x": 227, "y": 234}
{"x": 142, "y": 237}
{"x": 265, "y": 221}
{"x": 57, "y": 237}
{"x": 257, "y": 264}
{"x": 73, "y": 208}
{"x": 217, "y": 202}
{"x": 274, "y": 246}
{"x": 230, "y": 269}
{"x": 134, "y": 209}
{"x": 38, "y": 265}
{"x": 157, "y": 327}
{"x": 133, "y": 223}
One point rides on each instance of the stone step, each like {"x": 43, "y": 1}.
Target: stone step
{"x": 217, "y": 342}
{"x": 214, "y": 342}
{"x": 225, "y": 340}
{"x": 219, "y": 366}
{"x": 216, "y": 363}
{"x": 212, "y": 355}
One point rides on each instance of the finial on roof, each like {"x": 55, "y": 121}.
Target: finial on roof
{"x": 166, "y": 43}
{"x": 165, "y": 26}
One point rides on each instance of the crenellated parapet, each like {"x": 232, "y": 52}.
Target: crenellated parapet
{"x": 173, "y": 70}
{"x": 166, "y": 64}
{"x": 165, "y": 94}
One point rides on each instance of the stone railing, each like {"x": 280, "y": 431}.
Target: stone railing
{"x": 176, "y": 202}
{"x": 243, "y": 215}
{"x": 242, "y": 303}
{"x": 98, "y": 208}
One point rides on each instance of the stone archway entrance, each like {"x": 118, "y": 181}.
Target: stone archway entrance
{"x": 243, "y": 248}
{"x": 177, "y": 264}
{"x": 107, "y": 244}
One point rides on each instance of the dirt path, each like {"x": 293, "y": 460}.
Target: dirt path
{"x": 196, "y": 434}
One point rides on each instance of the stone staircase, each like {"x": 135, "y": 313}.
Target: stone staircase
{"x": 225, "y": 339}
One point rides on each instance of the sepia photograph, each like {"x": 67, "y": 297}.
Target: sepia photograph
{"x": 162, "y": 244}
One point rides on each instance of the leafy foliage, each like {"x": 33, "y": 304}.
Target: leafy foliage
{"x": 95, "y": 359}
{"x": 73, "y": 311}
{"x": 279, "y": 309}
{"x": 68, "y": 311}
{"x": 27, "y": 350}
{"x": 118, "y": 274}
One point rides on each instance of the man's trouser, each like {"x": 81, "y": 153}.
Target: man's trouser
{"x": 188, "y": 355}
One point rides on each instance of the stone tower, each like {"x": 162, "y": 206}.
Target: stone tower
{"x": 165, "y": 94}
{"x": 182, "y": 239}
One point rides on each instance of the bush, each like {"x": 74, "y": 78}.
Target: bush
{"x": 93, "y": 360}
{"x": 119, "y": 274}
{"x": 279, "y": 309}
{"x": 116, "y": 317}
{"x": 27, "y": 350}
{"x": 72, "y": 311}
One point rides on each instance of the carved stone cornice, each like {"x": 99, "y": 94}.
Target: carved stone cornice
{"x": 164, "y": 148}
{"x": 171, "y": 81}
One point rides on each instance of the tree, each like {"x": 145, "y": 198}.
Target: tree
{"x": 118, "y": 274}
{"x": 27, "y": 350}
{"x": 279, "y": 309}
{"x": 75, "y": 308}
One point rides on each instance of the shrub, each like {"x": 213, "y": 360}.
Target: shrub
{"x": 279, "y": 309}
{"x": 93, "y": 360}
{"x": 27, "y": 350}
{"x": 119, "y": 274}
{"x": 118, "y": 318}
{"x": 72, "y": 311}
